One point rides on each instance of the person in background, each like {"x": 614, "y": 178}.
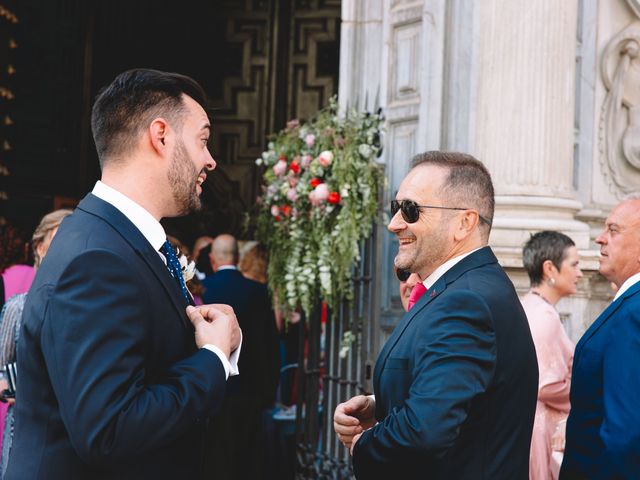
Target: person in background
{"x": 17, "y": 275}
{"x": 235, "y": 438}
{"x": 408, "y": 281}
{"x": 11, "y": 319}
{"x": 551, "y": 260}
{"x": 200, "y": 255}
{"x": 254, "y": 262}
{"x": 603, "y": 429}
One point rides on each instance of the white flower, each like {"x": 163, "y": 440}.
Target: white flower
{"x": 258, "y": 161}
{"x": 187, "y": 268}
{"x": 365, "y": 150}
{"x": 325, "y": 158}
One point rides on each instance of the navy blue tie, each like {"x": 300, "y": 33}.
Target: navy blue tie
{"x": 173, "y": 264}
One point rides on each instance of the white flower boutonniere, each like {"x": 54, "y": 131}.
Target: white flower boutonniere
{"x": 187, "y": 268}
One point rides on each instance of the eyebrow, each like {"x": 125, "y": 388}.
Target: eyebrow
{"x": 206, "y": 126}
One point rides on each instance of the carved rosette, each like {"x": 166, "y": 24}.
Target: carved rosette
{"x": 620, "y": 116}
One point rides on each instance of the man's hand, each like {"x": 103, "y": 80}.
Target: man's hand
{"x": 353, "y": 417}
{"x": 216, "y": 325}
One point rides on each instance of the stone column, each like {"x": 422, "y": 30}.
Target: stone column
{"x": 524, "y": 124}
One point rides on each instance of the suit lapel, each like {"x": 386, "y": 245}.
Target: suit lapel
{"x": 603, "y": 317}
{"x": 477, "y": 259}
{"x": 128, "y": 231}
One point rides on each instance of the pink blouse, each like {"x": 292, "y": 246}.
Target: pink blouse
{"x": 17, "y": 279}
{"x": 554, "y": 351}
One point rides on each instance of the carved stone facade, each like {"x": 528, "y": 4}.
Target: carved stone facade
{"x": 545, "y": 93}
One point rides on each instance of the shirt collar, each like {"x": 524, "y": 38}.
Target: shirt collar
{"x": 141, "y": 218}
{"x": 628, "y": 283}
{"x": 227, "y": 267}
{"x": 444, "y": 268}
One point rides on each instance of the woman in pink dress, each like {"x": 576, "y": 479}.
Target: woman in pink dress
{"x": 551, "y": 260}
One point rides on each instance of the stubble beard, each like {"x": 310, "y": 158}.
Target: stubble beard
{"x": 427, "y": 255}
{"x": 182, "y": 178}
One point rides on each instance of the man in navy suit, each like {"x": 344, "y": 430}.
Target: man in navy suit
{"x": 603, "y": 428}
{"x": 456, "y": 383}
{"x": 237, "y": 432}
{"x": 118, "y": 372}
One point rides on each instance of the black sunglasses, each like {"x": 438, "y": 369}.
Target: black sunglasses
{"x": 402, "y": 274}
{"x": 411, "y": 210}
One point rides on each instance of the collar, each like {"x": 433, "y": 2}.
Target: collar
{"x": 141, "y": 218}
{"x": 628, "y": 283}
{"x": 444, "y": 268}
{"x": 227, "y": 267}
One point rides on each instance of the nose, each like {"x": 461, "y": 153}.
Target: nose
{"x": 600, "y": 240}
{"x": 397, "y": 223}
{"x": 211, "y": 163}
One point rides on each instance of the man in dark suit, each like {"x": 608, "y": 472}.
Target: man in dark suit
{"x": 112, "y": 383}
{"x": 603, "y": 429}
{"x": 236, "y": 441}
{"x": 456, "y": 383}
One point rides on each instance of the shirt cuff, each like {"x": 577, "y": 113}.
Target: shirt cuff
{"x": 231, "y": 365}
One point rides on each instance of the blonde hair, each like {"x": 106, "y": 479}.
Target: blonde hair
{"x": 44, "y": 230}
{"x": 253, "y": 264}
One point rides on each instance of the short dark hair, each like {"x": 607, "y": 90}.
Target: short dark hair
{"x": 543, "y": 246}
{"x": 132, "y": 101}
{"x": 468, "y": 183}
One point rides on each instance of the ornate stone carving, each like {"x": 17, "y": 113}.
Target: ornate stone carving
{"x": 620, "y": 116}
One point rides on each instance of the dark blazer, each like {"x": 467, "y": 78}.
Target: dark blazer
{"x": 603, "y": 428}
{"x": 111, "y": 384}
{"x": 259, "y": 358}
{"x": 455, "y": 384}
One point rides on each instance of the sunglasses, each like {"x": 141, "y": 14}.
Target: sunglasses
{"x": 402, "y": 274}
{"x": 411, "y": 210}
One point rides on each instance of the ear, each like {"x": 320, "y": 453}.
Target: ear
{"x": 549, "y": 270}
{"x": 158, "y": 132}
{"x": 466, "y": 225}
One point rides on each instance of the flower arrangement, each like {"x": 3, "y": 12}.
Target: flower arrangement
{"x": 319, "y": 199}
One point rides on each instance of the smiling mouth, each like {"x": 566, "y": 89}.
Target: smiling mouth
{"x": 405, "y": 241}
{"x": 201, "y": 179}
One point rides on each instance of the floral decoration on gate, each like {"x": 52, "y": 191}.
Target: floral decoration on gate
{"x": 319, "y": 200}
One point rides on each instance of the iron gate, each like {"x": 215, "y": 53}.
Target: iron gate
{"x": 329, "y": 378}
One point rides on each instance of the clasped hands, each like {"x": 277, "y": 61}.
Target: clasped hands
{"x": 353, "y": 417}
{"x": 217, "y": 325}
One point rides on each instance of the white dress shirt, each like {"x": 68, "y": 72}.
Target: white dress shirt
{"x": 628, "y": 283}
{"x": 444, "y": 268}
{"x": 152, "y": 230}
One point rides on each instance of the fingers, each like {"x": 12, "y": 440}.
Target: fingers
{"x": 353, "y": 443}
{"x": 195, "y": 316}
{"x": 346, "y": 425}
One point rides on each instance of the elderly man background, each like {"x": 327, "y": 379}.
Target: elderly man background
{"x": 455, "y": 385}
{"x": 603, "y": 429}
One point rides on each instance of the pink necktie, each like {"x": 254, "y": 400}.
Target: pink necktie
{"x": 416, "y": 293}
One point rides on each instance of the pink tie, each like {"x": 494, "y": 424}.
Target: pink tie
{"x": 416, "y": 293}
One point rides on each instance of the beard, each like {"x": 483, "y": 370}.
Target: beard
{"x": 182, "y": 178}
{"x": 428, "y": 253}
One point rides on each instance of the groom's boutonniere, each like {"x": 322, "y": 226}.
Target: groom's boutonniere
{"x": 188, "y": 269}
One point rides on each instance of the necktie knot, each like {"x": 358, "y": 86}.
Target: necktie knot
{"x": 173, "y": 264}
{"x": 418, "y": 290}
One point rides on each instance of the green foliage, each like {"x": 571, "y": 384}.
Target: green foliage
{"x": 319, "y": 201}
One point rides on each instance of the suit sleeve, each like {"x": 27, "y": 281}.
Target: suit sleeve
{"x": 454, "y": 362}
{"x": 620, "y": 429}
{"x": 94, "y": 339}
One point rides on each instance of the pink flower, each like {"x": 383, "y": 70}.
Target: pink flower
{"x": 325, "y": 158}
{"x": 280, "y": 167}
{"x": 319, "y": 194}
{"x": 275, "y": 211}
{"x": 292, "y": 195}
{"x": 293, "y": 181}
{"x": 306, "y": 161}
{"x": 310, "y": 140}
